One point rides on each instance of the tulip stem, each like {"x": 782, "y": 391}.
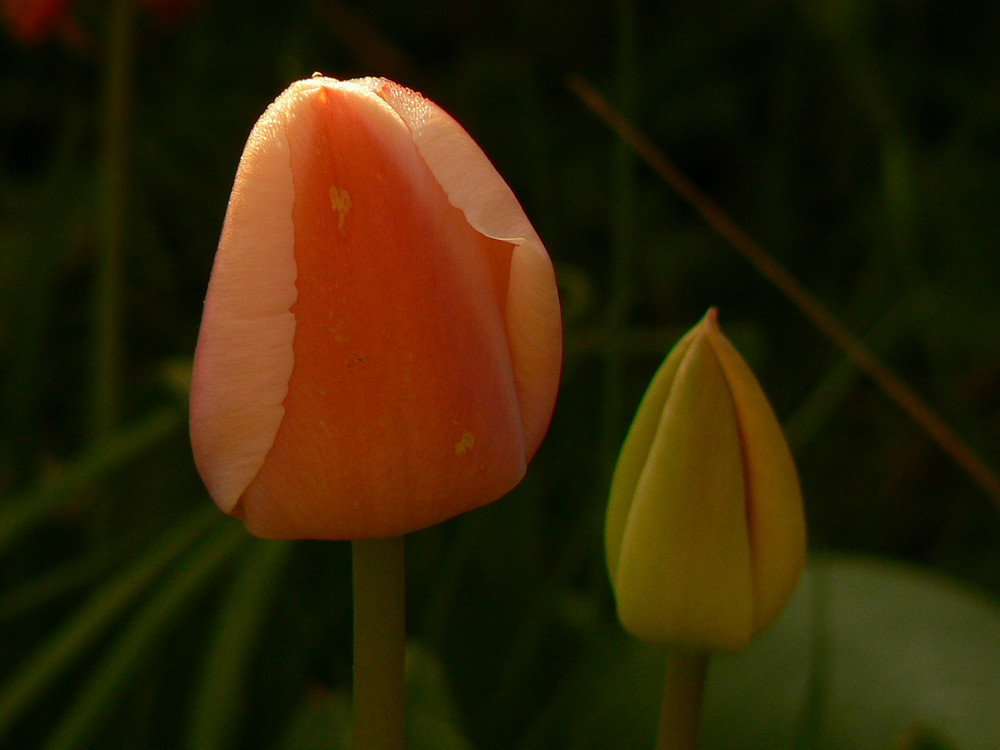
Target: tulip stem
{"x": 683, "y": 687}
{"x": 379, "y": 644}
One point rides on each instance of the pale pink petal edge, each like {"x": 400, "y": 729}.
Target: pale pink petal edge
{"x": 244, "y": 356}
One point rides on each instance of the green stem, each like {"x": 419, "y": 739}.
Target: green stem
{"x": 106, "y": 345}
{"x": 683, "y": 687}
{"x": 379, "y": 644}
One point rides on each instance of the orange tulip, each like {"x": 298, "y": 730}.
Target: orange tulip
{"x": 381, "y": 340}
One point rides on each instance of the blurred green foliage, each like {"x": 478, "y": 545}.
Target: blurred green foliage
{"x": 859, "y": 141}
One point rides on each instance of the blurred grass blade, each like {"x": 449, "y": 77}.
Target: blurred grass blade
{"x": 75, "y": 574}
{"x": 237, "y": 628}
{"x": 321, "y": 720}
{"x": 810, "y": 306}
{"x": 53, "y": 583}
{"x": 431, "y": 707}
{"x": 831, "y": 393}
{"x": 111, "y": 214}
{"x": 94, "y": 617}
{"x": 19, "y": 514}
{"x": 98, "y": 695}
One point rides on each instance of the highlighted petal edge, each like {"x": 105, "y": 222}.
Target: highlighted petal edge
{"x": 244, "y": 356}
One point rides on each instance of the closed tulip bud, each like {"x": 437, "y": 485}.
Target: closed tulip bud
{"x": 381, "y": 340}
{"x": 705, "y": 532}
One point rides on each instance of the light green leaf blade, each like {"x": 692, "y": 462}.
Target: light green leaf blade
{"x": 76, "y": 727}
{"x": 867, "y": 653}
{"x": 94, "y": 617}
{"x": 322, "y": 721}
{"x": 430, "y": 704}
{"x": 17, "y": 515}
{"x": 892, "y": 647}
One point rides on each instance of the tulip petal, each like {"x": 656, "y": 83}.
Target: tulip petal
{"x": 244, "y": 356}
{"x": 775, "y": 518}
{"x": 474, "y": 186}
{"x": 636, "y": 451}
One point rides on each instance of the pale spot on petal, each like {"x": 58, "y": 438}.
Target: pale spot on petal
{"x": 340, "y": 199}
{"x": 464, "y": 444}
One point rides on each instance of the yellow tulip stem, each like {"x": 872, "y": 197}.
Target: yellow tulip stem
{"x": 379, "y": 644}
{"x": 684, "y": 684}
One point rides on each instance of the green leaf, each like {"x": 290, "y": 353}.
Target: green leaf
{"x": 869, "y": 655}
{"x": 19, "y": 514}
{"x": 432, "y": 716}
{"x": 56, "y": 582}
{"x": 94, "y": 617}
{"x": 321, "y": 722}
{"x": 885, "y": 646}
{"x": 76, "y": 727}
{"x": 617, "y": 697}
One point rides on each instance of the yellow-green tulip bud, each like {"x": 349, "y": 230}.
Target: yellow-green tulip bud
{"x": 705, "y": 531}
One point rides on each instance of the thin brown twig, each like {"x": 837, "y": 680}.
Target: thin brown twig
{"x": 896, "y": 389}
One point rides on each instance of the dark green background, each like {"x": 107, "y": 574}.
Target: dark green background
{"x": 859, "y": 142}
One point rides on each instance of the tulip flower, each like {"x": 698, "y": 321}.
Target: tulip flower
{"x": 705, "y": 532}
{"x": 381, "y": 339}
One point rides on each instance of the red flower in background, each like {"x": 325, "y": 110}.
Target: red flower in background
{"x": 168, "y": 12}
{"x": 34, "y": 21}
